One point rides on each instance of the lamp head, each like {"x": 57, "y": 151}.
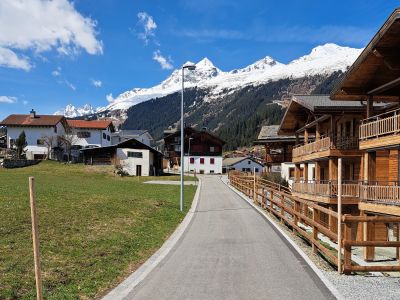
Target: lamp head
{"x": 190, "y": 67}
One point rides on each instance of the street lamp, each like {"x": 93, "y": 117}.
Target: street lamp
{"x": 191, "y": 68}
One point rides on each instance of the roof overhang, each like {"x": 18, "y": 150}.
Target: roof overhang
{"x": 376, "y": 72}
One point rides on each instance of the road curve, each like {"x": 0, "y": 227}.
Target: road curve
{"x": 229, "y": 251}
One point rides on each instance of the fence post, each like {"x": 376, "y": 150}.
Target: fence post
{"x": 347, "y": 249}
{"x": 35, "y": 238}
{"x": 315, "y": 229}
{"x": 254, "y": 186}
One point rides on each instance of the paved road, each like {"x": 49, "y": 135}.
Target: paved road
{"x": 230, "y": 252}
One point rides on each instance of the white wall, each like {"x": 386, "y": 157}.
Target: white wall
{"x": 287, "y": 165}
{"x": 96, "y": 137}
{"x": 247, "y": 164}
{"x": 32, "y": 135}
{"x": 207, "y": 167}
{"x": 129, "y": 163}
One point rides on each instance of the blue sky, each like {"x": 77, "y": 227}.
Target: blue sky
{"x": 60, "y": 53}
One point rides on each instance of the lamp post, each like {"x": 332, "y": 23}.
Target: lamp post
{"x": 189, "y": 67}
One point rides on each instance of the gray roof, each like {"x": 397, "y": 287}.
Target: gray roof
{"x": 234, "y": 160}
{"x": 323, "y": 101}
{"x": 270, "y": 132}
{"x": 132, "y": 133}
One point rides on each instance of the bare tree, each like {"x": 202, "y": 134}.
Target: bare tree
{"x": 49, "y": 141}
{"x": 68, "y": 140}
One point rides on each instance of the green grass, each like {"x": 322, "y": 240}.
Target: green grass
{"x": 95, "y": 228}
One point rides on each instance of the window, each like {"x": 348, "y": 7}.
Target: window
{"x": 83, "y": 134}
{"x": 212, "y": 161}
{"x": 212, "y": 149}
{"x": 291, "y": 172}
{"x": 104, "y": 136}
{"x": 55, "y": 129}
{"x": 40, "y": 142}
{"x": 135, "y": 154}
{"x": 249, "y": 162}
{"x": 202, "y": 161}
{"x": 243, "y": 169}
{"x": 192, "y": 160}
{"x": 256, "y": 170}
{"x": 108, "y": 138}
{"x": 211, "y": 171}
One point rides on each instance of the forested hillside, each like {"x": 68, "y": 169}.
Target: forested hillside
{"x": 236, "y": 118}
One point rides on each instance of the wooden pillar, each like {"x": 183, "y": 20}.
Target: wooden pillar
{"x": 368, "y": 235}
{"x": 317, "y": 171}
{"x": 370, "y": 107}
{"x": 315, "y": 229}
{"x": 317, "y": 132}
{"x": 369, "y": 166}
{"x": 305, "y": 172}
{"x": 333, "y": 168}
{"x": 306, "y": 136}
{"x": 297, "y": 172}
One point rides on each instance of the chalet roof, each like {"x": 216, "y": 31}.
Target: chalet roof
{"x": 193, "y": 133}
{"x": 93, "y": 124}
{"x": 131, "y": 143}
{"x": 234, "y": 160}
{"x": 28, "y": 121}
{"x": 314, "y": 102}
{"x": 376, "y": 71}
{"x": 270, "y": 132}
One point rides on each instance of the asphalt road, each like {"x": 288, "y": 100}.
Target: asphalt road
{"x": 229, "y": 251}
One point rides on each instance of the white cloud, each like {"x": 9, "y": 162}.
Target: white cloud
{"x": 110, "y": 98}
{"x": 97, "y": 83}
{"x": 8, "y": 99}
{"x": 41, "y": 25}
{"x": 70, "y": 85}
{"x": 149, "y": 26}
{"x": 165, "y": 62}
{"x": 10, "y": 59}
{"x": 25, "y": 102}
{"x": 56, "y": 72}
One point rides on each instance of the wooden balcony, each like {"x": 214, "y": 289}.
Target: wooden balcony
{"x": 326, "y": 191}
{"x": 380, "y": 197}
{"x": 380, "y": 131}
{"x": 327, "y": 146}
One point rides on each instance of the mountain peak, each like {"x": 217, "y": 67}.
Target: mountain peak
{"x": 205, "y": 63}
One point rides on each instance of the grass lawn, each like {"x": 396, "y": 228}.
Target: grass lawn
{"x": 95, "y": 228}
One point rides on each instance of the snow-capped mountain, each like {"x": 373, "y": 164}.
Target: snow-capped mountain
{"x": 71, "y": 111}
{"x": 323, "y": 60}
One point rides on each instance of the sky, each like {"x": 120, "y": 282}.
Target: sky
{"x": 54, "y": 53}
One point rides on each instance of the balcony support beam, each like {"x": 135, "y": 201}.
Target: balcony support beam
{"x": 333, "y": 168}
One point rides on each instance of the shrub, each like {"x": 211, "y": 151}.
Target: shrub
{"x": 277, "y": 178}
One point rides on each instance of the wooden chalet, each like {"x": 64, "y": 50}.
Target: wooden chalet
{"x": 202, "y": 150}
{"x": 375, "y": 78}
{"x": 278, "y": 148}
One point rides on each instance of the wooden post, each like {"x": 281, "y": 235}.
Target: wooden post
{"x": 35, "y": 238}
{"x": 255, "y": 198}
{"x": 315, "y": 229}
{"x": 370, "y": 107}
{"x": 339, "y": 208}
{"x": 347, "y": 249}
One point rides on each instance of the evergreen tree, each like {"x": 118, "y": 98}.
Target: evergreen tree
{"x": 21, "y": 143}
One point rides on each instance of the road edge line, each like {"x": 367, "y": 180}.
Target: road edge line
{"x": 125, "y": 287}
{"x": 311, "y": 264}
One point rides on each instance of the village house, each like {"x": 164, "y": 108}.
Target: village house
{"x": 203, "y": 151}
{"x": 94, "y": 133}
{"x": 42, "y": 132}
{"x": 243, "y": 164}
{"x": 122, "y": 135}
{"x": 132, "y": 156}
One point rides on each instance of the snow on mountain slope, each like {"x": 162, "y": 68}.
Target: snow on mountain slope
{"x": 324, "y": 59}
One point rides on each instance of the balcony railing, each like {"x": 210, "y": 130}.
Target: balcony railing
{"x": 327, "y": 188}
{"x": 327, "y": 143}
{"x": 380, "y": 125}
{"x": 387, "y": 192}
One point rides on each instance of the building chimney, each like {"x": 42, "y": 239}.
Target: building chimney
{"x": 33, "y": 113}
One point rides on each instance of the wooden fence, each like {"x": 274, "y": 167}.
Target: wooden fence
{"x": 309, "y": 219}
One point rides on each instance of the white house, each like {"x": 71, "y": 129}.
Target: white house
{"x": 95, "y": 133}
{"x": 141, "y": 135}
{"x": 133, "y": 156}
{"x": 39, "y": 130}
{"x": 287, "y": 171}
{"x": 243, "y": 164}
{"x": 203, "y": 164}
